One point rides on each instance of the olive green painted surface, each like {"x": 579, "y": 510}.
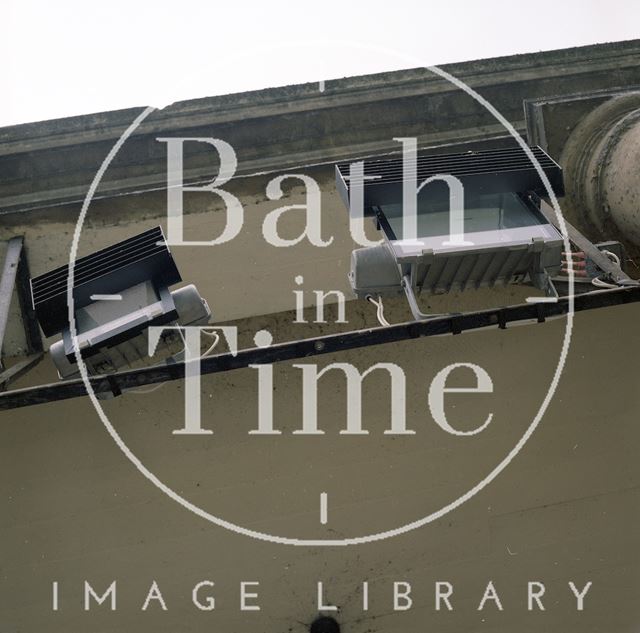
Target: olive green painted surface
{"x": 567, "y": 508}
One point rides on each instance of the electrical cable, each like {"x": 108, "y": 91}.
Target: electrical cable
{"x": 596, "y": 281}
{"x": 211, "y": 333}
{"x": 613, "y": 256}
{"x": 379, "y": 309}
{"x": 216, "y": 336}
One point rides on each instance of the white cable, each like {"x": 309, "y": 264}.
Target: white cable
{"x": 211, "y": 333}
{"x": 596, "y": 281}
{"x": 612, "y": 256}
{"x": 216, "y": 336}
{"x": 380, "y": 310}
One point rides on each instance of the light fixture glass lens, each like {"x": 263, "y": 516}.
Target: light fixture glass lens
{"x": 482, "y": 212}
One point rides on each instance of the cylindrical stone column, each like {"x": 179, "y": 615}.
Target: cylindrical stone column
{"x": 602, "y": 169}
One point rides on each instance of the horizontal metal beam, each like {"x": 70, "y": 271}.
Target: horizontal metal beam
{"x": 305, "y": 348}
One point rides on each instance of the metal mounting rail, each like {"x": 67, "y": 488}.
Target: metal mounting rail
{"x": 332, "y": 343}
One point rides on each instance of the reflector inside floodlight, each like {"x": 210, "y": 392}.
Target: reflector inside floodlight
{"x": 482, "y": 213}
{"x": 490, "y": 221}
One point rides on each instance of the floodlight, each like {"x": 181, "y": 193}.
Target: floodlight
{"x": 119, "y": 292}
{"x": 504, "y": 237}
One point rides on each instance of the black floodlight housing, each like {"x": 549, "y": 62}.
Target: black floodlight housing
{"x": 506, "y": 237}
{"x": 144, "y": 257}
{"x": 481, "y": 172}
{"x": 119, "y": 292}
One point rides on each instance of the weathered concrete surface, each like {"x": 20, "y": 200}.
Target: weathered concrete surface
{"x": 52, "y": 163}
{"x": 74, "y": 508}
{"x": 622, "y": 180}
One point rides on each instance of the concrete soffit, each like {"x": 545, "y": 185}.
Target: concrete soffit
{"x": 51, "y": 163}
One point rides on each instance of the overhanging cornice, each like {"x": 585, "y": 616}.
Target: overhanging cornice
{"x": 52, "y": 163}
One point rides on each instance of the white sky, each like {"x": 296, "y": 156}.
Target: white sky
{"x": 67, "y": 57}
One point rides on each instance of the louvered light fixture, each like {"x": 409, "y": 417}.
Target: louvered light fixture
{"x": 505, "y": 239}
{"x": 118, "y": 293}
